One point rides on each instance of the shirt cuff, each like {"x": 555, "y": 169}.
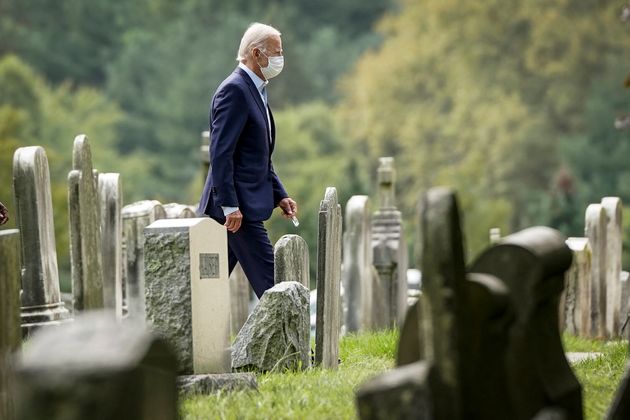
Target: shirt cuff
{"x": 228, "y": 210}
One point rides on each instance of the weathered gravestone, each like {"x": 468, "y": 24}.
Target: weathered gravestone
{"x": 490, "y": 338}
{"x": 10, "y": 337}
{"x": 532, "y": 264}
{"x": 189, "y": 385}
{"x": 276, "y": 335}
{"x": 576, "y": 302}
{"x": 595, "y": 230}
{"x": 357, "y": 263}
{"x": 613, "y": 208}
{"x": 41, "y": 299}
{"x": 136, "y": 217}
{"x": 85, "y": 231}
{"x": 624, "y": 312}
{"x": 187, "y": 291}
{"x": 389, "y": 250}
{"x": 239, "y": 299}
{"x": 110, "y": 197}
{"x": 328, "y": 324}
{"x": 96, "y": 367}
{"x": 178, "y": 211}
{"x": 620, "y": 407}
{"x": 290, "y": 257}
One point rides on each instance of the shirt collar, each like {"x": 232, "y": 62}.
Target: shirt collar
{"x": 258, "y": 82}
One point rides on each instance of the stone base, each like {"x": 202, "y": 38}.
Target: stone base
{"x": 35, "y": 317}
{"x": 208, "y": 384}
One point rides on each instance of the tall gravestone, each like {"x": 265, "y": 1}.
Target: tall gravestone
{"x": 97, "y": 368}
{"x": 85, "y": 229}
{"x": 136, "y": 217}
{"x": 239, "y": 299}
{"x": 614, "y": 229}
{"x": 291, "y": 260}
{"x": 389, "y": 248}
{"x": 41, "y": 298}
{"x": 357, "y": 263}
{"x": 328, "y": 324}
{"x": 595, "y": 230}
{"x": 110, "y": 196}
{"x": 576, "y": 302}
{"x": 187, "y": 291}
{"x": 443, "y": 272}
{"x": 10, "y": 337}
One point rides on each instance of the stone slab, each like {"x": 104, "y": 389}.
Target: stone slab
{"x": 189, "y": 385}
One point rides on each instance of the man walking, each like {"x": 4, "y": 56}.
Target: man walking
{"x": 242, "y": 189}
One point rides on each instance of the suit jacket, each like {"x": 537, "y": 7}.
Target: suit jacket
{"x": 241, "y": 174}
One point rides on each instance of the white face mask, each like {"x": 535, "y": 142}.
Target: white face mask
{"x": 274, "y": 66}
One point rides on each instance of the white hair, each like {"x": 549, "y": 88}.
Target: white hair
{"x": 255, "y": 37}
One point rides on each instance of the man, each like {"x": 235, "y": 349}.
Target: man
{"x": 242, "y": 188}
{"x": 4, "y": 214}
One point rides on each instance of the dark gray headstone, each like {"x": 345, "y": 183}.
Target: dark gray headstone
{"x": 95, "y": 367}
{"x": 532, "y": 264}
{"x": 620, "y": 406}
{"x": 443, "y": 276}
{"x": 276, "y": 334}
{"x": 401, "y": 393}
{"x": 410, "y": 344}
{"x": 41, "y": 299}
{"x": 10, "y": 337}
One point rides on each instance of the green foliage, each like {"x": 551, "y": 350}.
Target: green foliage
{"x": 312, "y": 394}
{"x": 476, "y": 96}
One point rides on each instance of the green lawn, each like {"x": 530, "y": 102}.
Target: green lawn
{"x": 329, "y": 394}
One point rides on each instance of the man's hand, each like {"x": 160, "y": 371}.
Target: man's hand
{"x": 233, "y": 221}
{"x": 4, "y": 214}
{"x": 289, "y": 207}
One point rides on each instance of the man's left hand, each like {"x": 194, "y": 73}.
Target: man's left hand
{"x": 289, "y": 207}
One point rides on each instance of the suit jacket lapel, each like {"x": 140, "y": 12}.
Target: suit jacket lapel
{"x": 256, "y": 94}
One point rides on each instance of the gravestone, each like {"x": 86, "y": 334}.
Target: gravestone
{"x": 443, "y": 273}
{"x": 290, "y": 256}
{"x": 96, "y": 367}
{"x": 389, "y": 247}
{"x": 85, "y": 232}
{"x": 239, "y": 299}
{"x": 10, "y": 337}
{"x": 595, "y": 230}
{"x": 178, "y": 211}
{"x": 613, "y": 208}
{"x": 624, "y": 312}
{"x": 328, "y": 324}
{"x": 187, "y": 291}
{"x": 189, "y": 385}
{"x": 411, "y": 342}
{"x": 136, "y": 217}
{"x": 357, "y": 263}
{"x": 41, "y": 299}
{"x": 110, "y": 196}
{"x": 276, "y": 336}
{"x": 620, "y": 406}
{"x": 576, "y": 301}
{"x": 532, "y": 264}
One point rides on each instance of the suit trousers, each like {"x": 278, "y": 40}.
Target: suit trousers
{"x": 250, "y": 246}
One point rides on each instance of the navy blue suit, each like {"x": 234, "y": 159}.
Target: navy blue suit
{"x": 241, "y": 174}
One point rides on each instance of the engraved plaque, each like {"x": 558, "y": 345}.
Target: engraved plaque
{"x": 209, "y": 266}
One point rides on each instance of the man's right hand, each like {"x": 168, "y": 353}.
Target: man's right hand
{"x": 233, "y": 221}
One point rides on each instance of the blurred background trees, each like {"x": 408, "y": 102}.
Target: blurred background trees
{"x": 511, "y": 103}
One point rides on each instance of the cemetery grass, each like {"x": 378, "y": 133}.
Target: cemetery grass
{"x": 312, "y": 394}
{"x": 599, "y": 377}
